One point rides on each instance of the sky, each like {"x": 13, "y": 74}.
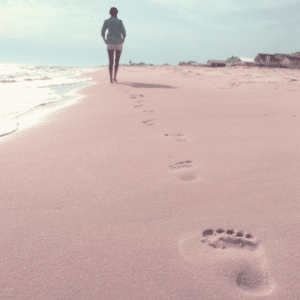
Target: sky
{"x": 68, "y": 32}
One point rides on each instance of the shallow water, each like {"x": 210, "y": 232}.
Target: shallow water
{"x": 25, "y": 89}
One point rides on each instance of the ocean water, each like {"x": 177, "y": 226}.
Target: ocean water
{"x": 28, "y": 92}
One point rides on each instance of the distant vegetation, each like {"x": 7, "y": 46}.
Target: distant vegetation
{"x": 139, "y": 64}
{"x": 188, "y": 63}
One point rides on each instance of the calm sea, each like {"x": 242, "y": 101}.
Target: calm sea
{"x": 29, "y": 92}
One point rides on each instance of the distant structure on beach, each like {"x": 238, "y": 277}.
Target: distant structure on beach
{"x": 278, "y": 60}
{"x": 233, "y": 60}
{"x": 289, "y": 61}
{"x": 267, "y": 60}
{"x": 247, "y": 61}
{"x": 240, "y": 61}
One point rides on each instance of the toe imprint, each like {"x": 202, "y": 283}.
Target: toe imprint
{"x": 178, "y": 136}
{"x": 208, "y": 232}
{"x": 230, "y": 231}
{"x": 174, "y": 134}
{"x": 149, "y": 122}
{"x": 181, "y": 165}
{"x": 222, "y": 239}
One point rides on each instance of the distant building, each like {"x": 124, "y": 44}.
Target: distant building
{"x": 233, "y": 60}
{"x": 267, "y": 60}
{"x": 216, "y": 63}
{"x": 289, "y": 61}
{"x": 247, "y": 61}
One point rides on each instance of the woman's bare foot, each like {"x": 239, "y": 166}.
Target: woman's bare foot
{"x": 115, "y": 80}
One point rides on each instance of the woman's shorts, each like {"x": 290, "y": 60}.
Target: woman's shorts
{"x": 115, "y": 47}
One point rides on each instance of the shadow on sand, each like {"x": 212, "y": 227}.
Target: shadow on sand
{"x": 147, "y": 85}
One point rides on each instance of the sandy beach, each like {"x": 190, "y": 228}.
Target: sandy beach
{"x": 176, "y": 183}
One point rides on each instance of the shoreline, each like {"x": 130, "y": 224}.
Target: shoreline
{"x": 36, "y": 115}
{"x": 110, "y": 197}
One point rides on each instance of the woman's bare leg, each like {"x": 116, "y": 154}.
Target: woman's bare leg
{"x": 118, "y": 55}
{"x": 111, "y": 63}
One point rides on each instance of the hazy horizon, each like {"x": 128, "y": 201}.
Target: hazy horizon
{"x": 68, "y": 33}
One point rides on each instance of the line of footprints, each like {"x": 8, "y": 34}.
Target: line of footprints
{"x": 236, "y": 255}
{"x": 140, "y": 101}
{"x": 181, "y": 168}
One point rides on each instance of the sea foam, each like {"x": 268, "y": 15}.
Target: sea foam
{"x": 26, "y": 92}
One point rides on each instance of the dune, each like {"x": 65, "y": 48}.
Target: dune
{"x": 173, "y": 183}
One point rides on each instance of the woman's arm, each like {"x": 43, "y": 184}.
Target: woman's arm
{"x": 123, "y": 31}
{"x": 104, "y": 27}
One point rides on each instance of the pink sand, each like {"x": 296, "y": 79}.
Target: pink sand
{"x": 108, "y": 198}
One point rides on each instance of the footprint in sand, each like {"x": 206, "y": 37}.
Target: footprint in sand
{"x": 150, "y": 111}
{"x": 183, "y": 174}
{"x": 138, "y": 105}
{"x": 234, "y": 254}
{"x": 134, "y": 96}
{"x": 140, "y": 100}
{"x": 149, "y": 122}
{"x": 179, "y": 137}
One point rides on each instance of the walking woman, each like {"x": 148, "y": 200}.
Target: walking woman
{"x": 114, "y": 40}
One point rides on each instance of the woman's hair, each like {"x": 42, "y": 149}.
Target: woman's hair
{"x": 113, "y": 11}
